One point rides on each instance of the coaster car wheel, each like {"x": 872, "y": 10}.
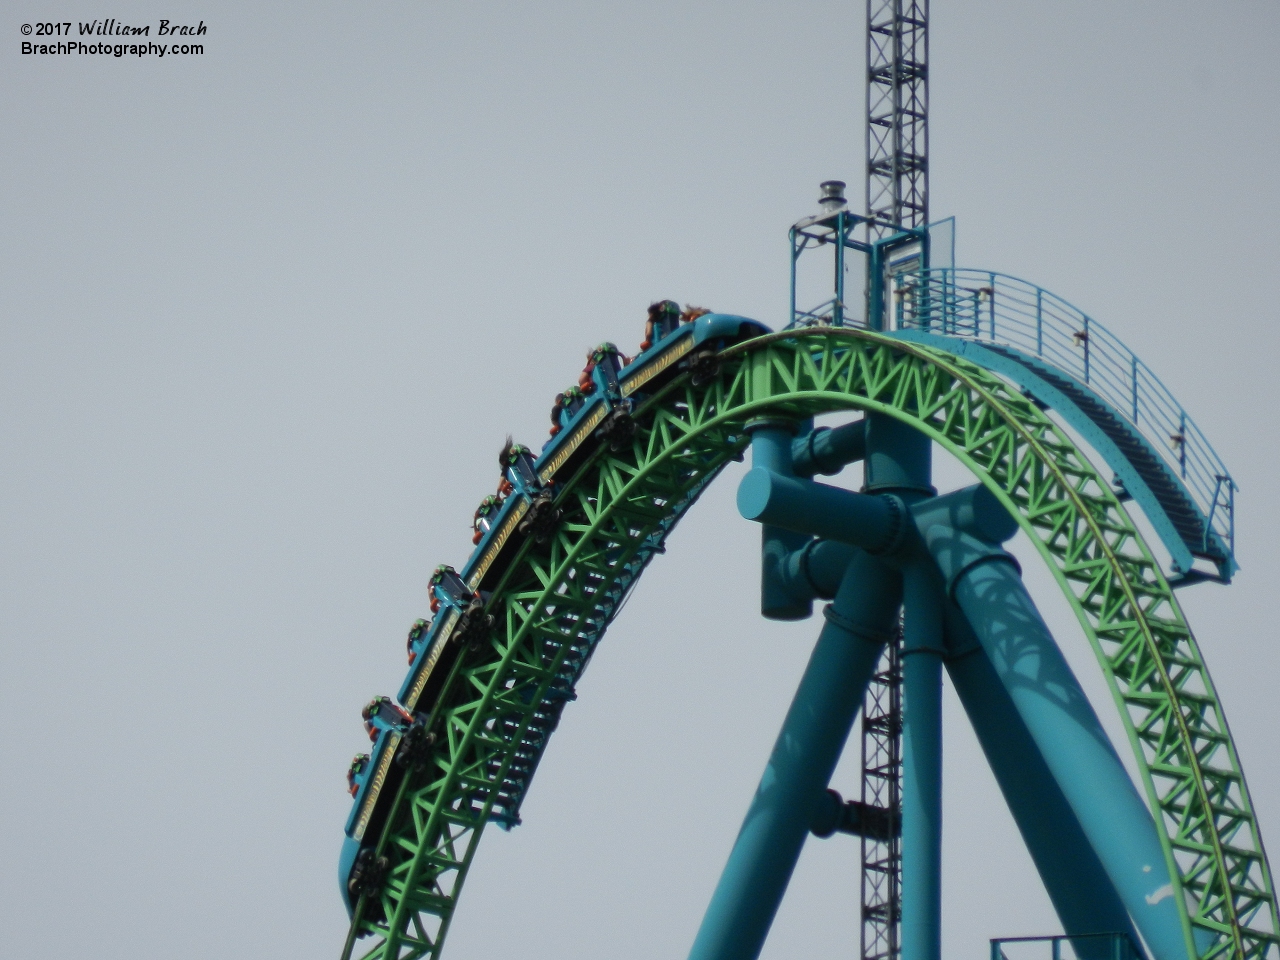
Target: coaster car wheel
{"x": 704, "y": 366}
{"x": 618, "y": 427}
{"x": 416, "y": 746}
{"x": 368, "y": 876}
{"x": 474, "y": 627}
{"x": 541, "y": 519}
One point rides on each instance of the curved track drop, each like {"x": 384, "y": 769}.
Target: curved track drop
{"x": 552, "y": 601}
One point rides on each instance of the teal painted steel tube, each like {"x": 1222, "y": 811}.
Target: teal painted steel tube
{"x": 873, "y": 523}
{"x": 898, "y": 458}
{"x": 859, "y": 621}
{"x": 1081, "y": 892}
{"x": 829, "y": 450}
{"x": 771, "y": 442}
{"x": 1059, "y": 718}
{"x": 816, "y": 568}
{"x": 922, "y": 650}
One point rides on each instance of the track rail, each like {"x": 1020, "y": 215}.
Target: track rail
{"x": 555, "y": 601}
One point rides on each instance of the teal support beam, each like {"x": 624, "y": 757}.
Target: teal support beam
{"x": 862, "y": 618}
{"x": 922, "y": 651}
{"x": 898, "y": 458}
{"x": 771, "y": 442}
{"x": 816, "y": 568}
{"x": 898, "y": 469}
{"x": 875, "y": 288}
{"x": 985, "y": 583}
{"x": 818, "y": 509}
{"x": 875, "y": 523}
{"x": 1078, "y": 886}
{"x": 829, "y": 450}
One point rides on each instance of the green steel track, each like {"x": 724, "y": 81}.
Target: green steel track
{"x": 556, "y": 600}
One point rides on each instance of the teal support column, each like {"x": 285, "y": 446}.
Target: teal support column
{"x": 827, "y": 450}
{"x": 898, "y": 464}
{"x": 771, "y": 442}
{"x": 861, "y": 619}
{"x": 898, "y": 458}
{"x": 986, "y": 585}
{"x": 818, "y": 509}
{"x": 1082, "y": 894}
{"x": 922, "y": 652}
{"x": 875, "y": 289}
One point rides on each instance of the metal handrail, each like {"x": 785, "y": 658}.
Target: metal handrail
{"x": 996, "y": 308}
{"x": 1114, "y": 946}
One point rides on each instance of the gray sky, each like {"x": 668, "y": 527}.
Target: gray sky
{"x": 268, "y": 313}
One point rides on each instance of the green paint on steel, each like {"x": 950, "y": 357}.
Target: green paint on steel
{"x": 556, "y": 600}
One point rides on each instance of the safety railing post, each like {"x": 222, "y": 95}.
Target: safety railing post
{"x": 837, "y": 311}
{"x": 1231, "y": 514}
{"x": 947, "y": 291}
{"x": 1182, "y": 442}
{"x": 1040, "y": 335}
{"x": 1133, "y": 372}
{"x": 1213, "y": 509}
{"x": 1057, "y": 948}
{"x": 1086, "y": 349}
{"x": 794, "y": 255}
{"x": 991, "y": 302}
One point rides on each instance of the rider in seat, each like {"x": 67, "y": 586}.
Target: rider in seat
{"x": 517, "y": 463}
{"x": 484, "y": 516}
{"x": 355, "y": 772}
{"x": 415, "y": 634}
{"x": 446, "y": 579}
{"x": 604, "y": 364}
{"x": 664, "y": 318}
{"x": 566, "y": 406}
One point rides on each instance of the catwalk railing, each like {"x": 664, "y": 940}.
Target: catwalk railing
{"x": 1093, "y": 946}
{"x": 999, "y": 309}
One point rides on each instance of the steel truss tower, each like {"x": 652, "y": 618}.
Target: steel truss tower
{"x": 882, "y": 789}
{"x": 897, "y": 197}
{"x": 897, "y": 114}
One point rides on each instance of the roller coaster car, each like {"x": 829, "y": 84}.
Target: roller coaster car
{"x": 565, "y": 408}
{"x": 542, "y": 516}
{"x": 693, "y": 347}
{"x": 664, "y": 318}
{"x": 618, "y": 426}
{"x": 615, "y": 382}
{"x": 382, "y": 714}
{"x": 375, "y": 779}
{"x": 416, "y": 633}
{"x": 473, "y": 625}
{"x": 401, "y": 742}
{"x": 485, "y": 516}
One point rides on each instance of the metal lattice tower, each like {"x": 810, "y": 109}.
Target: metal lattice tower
{"x": 897, "y": 114}
{"x": 882, "y": 788}
{"x": 897, "y": 196}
